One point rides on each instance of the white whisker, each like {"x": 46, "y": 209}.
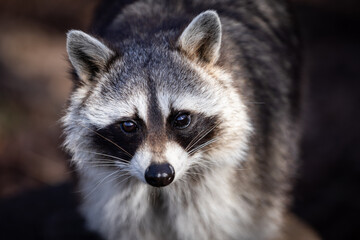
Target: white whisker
{"x": 103, "y": 154}
{"x": 202, "y": 146}
{"x": 191, "y": 144}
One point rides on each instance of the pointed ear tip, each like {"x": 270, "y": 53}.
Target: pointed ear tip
{"x": 210, "y": 13}
{"x": 71, "y": 32}
{"x": 75, "y": 33}
{"x": 72, "y": 40}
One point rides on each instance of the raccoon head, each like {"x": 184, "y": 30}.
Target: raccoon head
{"x": 155, "y": 112}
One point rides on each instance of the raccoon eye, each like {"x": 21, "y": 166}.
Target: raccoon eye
{"x": 128, "y": 126}
{"x": 182, "y": 120}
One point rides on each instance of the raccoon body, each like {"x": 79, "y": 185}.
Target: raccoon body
{"x": 183, "y": 119}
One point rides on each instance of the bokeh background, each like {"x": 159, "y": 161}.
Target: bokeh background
{"x": 34, "y": 85}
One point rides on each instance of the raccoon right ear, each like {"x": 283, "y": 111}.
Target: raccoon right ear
{"x": 201, "y": 39}
{"x": 87, "y": 54}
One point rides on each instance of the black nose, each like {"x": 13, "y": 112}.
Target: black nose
{"x": 159, "y": 175}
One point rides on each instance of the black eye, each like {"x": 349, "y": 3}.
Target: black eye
{"x": 182, "y": 120}
{"x": 128, "y": 126}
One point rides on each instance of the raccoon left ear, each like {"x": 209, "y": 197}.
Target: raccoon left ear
{"x": 87, "y": 54}
{"x": 202, "y": 37}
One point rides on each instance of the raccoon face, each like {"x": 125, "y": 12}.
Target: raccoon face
{"x": 154, "y": 113}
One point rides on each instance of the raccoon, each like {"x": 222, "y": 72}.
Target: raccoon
{"x": 183, "y": 120}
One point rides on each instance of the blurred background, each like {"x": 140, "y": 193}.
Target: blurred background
{"x": 34, "y": 86}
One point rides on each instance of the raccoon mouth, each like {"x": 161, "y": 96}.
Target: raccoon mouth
{"x": 159, "y": 175}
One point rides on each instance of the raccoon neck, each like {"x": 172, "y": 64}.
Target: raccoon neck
{"x": 204, "y": 209}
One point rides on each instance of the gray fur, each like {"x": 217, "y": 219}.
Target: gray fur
{"x": 86, "y": 53}
{"x": 243, "y": 83}
{"x": 202, "y": 38}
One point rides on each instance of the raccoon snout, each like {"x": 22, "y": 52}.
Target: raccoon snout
{"x": 159, "y": 175}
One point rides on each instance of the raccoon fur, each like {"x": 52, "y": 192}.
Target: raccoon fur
{"x": 182, "y": 123}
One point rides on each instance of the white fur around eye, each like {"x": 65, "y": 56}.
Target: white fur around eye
{"x": 102, "y": 112}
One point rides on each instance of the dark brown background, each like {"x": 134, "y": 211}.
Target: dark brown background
{"x": 34, "y": 86}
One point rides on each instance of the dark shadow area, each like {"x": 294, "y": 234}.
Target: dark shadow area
{"x": 327, "y": 194}
{"x": 48, "y": 213}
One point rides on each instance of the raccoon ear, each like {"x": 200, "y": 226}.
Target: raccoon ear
{"x": 202, "y": 37}
{"x": 87, "y": 54}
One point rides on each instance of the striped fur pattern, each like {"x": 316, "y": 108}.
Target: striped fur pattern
{"x": 231, "y": 67}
